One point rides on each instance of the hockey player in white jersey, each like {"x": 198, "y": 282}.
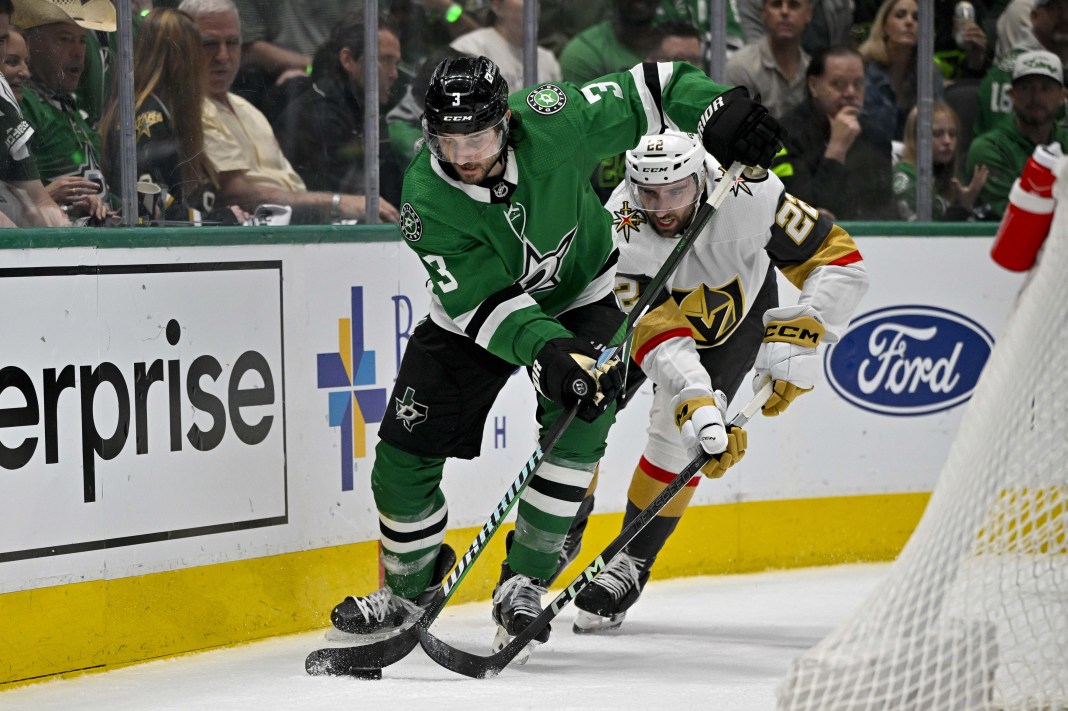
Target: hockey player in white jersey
{"x": 719, "y": 317}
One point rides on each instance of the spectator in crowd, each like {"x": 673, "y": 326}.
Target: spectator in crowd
{"x": 1014, "y": 29}
{"x": 1049, "y": 24}
{"x": 1037, "y": 95}
{"x": 169, "y": 135}
{"x": 890, "y": 67}
{"x": 617, "y": 43}
{"x": 427, "y": 26}
{"x": 241, "y": 148}
{"x": 830, "y": 26}
{"x": 23, "y": 199}
{"x": 773, "y": 68}
{"x": 960, "y": 51}
{"x": 502, "y": 42}
{"x": 405, "y": 119}
{"x": 97, "y": 18}
{"x": 676, "y": 41}
{"x": 560, "y": 20}
{"x": 322, "y": 131}
{"x": 950, "y": 199}
{"x": 832, "y": 158}
{"x": 697, "y": 13}
{"x": 16, "y": 67}
{"x": 279, "y": 37}
{"x": 66, "y": 147}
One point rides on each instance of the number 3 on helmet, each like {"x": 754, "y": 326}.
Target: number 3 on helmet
{"x": 466, "y": 110}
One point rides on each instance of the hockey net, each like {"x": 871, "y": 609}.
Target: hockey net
{"x": 974, "y": 613}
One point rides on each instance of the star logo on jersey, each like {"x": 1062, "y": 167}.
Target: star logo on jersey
{"x": 410, "y": 224}
{"x": 713, "y": 313}
{"x": 740, "y": 186}
{"x": 547, "y": 99}
{"x": 144, "y": 123}
{"x": 627, "y": 219}
{"x": 542, "y": 271}
{"x": 410, "y": 412}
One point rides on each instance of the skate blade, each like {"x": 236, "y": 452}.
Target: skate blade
{"x": 333, "y": 634}
{"x": 503, "y": 638}
{"x": 589, "y": 623}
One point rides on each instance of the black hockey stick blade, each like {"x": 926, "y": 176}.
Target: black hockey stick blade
{"x": 339, "y": 661}
{"x": 481, "y": 667}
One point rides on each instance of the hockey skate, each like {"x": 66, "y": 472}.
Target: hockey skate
{"x": 603, "y": 604}
{"x": 516, "y": 602}
{"x": 380, "y": 615}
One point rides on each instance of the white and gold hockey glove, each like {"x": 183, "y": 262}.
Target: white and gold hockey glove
{"x": 699, "y": 416}
{"x": 788, "y": 356}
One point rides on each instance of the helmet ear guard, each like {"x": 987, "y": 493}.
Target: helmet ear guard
{"x": 466, "y": 95}
{"x": 666, "y": 171}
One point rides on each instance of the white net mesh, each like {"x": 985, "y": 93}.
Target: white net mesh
{"x": 974, "y": 613}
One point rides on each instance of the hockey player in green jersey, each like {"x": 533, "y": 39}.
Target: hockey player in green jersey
{"x": 498, "y": 207}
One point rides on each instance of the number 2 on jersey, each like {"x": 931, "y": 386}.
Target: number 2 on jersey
{"x": 447, "y": 282}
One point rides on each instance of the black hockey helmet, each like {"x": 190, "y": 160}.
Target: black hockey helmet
{"x": 465, "y": 95}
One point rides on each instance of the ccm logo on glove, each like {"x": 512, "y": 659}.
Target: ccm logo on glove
{"x": 803, "y": 331}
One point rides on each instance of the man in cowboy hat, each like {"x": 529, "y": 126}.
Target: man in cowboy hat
{"x": 67, "y": 147}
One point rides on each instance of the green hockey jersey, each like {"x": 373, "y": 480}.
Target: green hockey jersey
{"x": 506, "y": 257}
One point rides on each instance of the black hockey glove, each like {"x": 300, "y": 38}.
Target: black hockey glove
{"x": 736, "y": 128}
{"x": 565, "y": 371}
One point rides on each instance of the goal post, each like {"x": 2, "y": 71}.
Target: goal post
{"x": 973, "y": 615}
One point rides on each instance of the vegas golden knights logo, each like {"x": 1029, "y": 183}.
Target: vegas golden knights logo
{"x": 713, "y": 313}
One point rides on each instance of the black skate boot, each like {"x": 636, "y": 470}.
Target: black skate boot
{"x": 374, "y": 617}
{"x": 603, "y": 603}
{"x": 516, "y": 602}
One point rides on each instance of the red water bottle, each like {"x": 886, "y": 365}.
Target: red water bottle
{"x": 1028, "y": 215}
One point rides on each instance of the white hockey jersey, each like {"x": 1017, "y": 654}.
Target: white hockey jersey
{"x": 759, "y": 225}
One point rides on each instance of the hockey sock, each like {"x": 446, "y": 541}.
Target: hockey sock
{"x": 412, "y": 516}
{"x": 546, "y": 510}
{"x": 645, "y": 485}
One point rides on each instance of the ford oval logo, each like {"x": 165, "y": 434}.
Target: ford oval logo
{"x": 908, "y": 360}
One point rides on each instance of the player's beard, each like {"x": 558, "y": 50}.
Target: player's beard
{"x": 475, "y": 172}
{"x": 676, "y": 221}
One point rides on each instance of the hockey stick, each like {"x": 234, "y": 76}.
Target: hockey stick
{"x": 343, "y": 660}
{"x": 480, "y": 667}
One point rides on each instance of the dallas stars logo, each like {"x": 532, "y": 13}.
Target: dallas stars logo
{"x": 739, "y": 183}
{"x": 627, "y": 218}
{"x": 547, "y": 99}
{"x": 410, "y": 412}
{"x": 410, "y": 224}
{"x": 542, "y": 271}
{"x": 713, "y": 313}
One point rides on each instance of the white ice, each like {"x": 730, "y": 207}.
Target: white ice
{"x": 696, "y": 643}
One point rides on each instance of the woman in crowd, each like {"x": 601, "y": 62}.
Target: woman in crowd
{"x": 949, "y": 200}
{"x": 16, "y": 64}
{"x": 890, "y": 68}
{"x": 168, "y": 95}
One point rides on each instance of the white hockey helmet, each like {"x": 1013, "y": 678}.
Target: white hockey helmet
{"x": 666, "y": 171}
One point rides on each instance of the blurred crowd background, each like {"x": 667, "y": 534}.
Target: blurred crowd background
{"x": 256, "y": 111}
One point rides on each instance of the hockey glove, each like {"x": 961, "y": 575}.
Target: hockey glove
{"x": 565, "y": 371}
{"x": 737, "y": 441}
{"x": 788, "y": 355}
{"x": 736, "y": 128}
{"x": 699, "y": 417}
